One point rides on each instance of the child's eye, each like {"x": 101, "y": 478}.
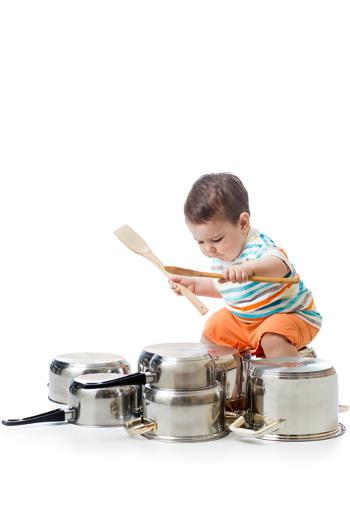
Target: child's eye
{"x": 217, "y": 240}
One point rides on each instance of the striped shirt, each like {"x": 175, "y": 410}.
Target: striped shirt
{"x": 252, "y": 301}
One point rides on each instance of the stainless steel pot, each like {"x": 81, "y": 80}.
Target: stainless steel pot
{"x": 178, "y": 366}
{"x": 143, "y": 364}
{"x": 230, "y": 365}
{"x": 65, "y": 367}
{"x": 290, "y": 399}
{"x": 100, "y": 407}
{"x": 181, "y": 415}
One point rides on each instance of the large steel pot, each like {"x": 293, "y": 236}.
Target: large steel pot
{"x": 100, "y": 407}
{"x": 65, "y": 367}
{"x": 290, "y": 399}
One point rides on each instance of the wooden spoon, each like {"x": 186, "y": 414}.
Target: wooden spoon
{"x": 132, "y": 240}
{"x": 188, "y": 272}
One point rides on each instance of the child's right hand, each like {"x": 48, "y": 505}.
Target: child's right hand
{"x": 189, "y": 283}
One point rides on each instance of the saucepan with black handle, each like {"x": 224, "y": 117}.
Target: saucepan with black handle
{"x": 94, "y": 400}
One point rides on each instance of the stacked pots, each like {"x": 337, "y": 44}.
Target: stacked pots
{"x": 183, "y": 400}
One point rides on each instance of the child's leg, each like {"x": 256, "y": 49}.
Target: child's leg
{"x": 282, "y": 335}
{"x": 275, "y": 345}
{"x": 222, "y": 328}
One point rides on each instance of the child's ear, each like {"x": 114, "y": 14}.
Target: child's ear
{"x": 244, "y": 221}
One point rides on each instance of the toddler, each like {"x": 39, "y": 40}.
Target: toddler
{"x": 271, "y": 319}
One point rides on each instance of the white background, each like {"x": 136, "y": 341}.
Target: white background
{"x": 109, "y": 112}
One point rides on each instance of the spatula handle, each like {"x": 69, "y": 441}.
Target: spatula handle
{"x": 192, "y": 298}
{"x": 264, "y": 279}
{"x": 189, "y": 272}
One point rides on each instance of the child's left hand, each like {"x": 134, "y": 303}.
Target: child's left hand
{"x": 237, "y": 273}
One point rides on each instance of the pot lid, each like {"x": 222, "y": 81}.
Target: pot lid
{"x": 179, "y": 351}
{"x": 290, "y": 366}
{"x": 89, "y": 358}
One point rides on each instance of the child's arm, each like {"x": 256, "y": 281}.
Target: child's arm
{"x": 199, "y": 286}
{"x": 269, "y": 266}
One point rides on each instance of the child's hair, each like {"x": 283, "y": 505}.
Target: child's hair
{"x": 216, "y": 196}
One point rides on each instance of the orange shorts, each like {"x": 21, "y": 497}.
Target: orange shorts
{"x": 223, "y": 328}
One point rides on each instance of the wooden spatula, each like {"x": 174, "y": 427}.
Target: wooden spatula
{"x": 188, "y": 272}
{"x": 132, "y": 240}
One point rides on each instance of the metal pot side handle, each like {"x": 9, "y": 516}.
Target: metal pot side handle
{"x": 343, "y": 408}
{"x": 236, "y": 428}
{"x": 139, "y": 426}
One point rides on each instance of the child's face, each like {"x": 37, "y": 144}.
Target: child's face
{"x": 220, "y": 238}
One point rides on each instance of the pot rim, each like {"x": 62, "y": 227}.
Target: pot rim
{"x": 83, "y": 359}
{"x": 291, "y": 368}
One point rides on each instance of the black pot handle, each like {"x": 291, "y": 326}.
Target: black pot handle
{"x": 57, "y": 415}
{"x": 130, "y": 379}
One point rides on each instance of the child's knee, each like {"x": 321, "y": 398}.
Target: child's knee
{"x": 275, "y": 345}
{"x": 269, "y": 338}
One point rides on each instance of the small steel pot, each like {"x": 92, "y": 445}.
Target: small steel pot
{"x": 229, "y": 365}
{"x": 101, "y": 407}
{"x": 290, "y": 399}
{"x": 65, "y": 367}
{"x": 178, "y": 366}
